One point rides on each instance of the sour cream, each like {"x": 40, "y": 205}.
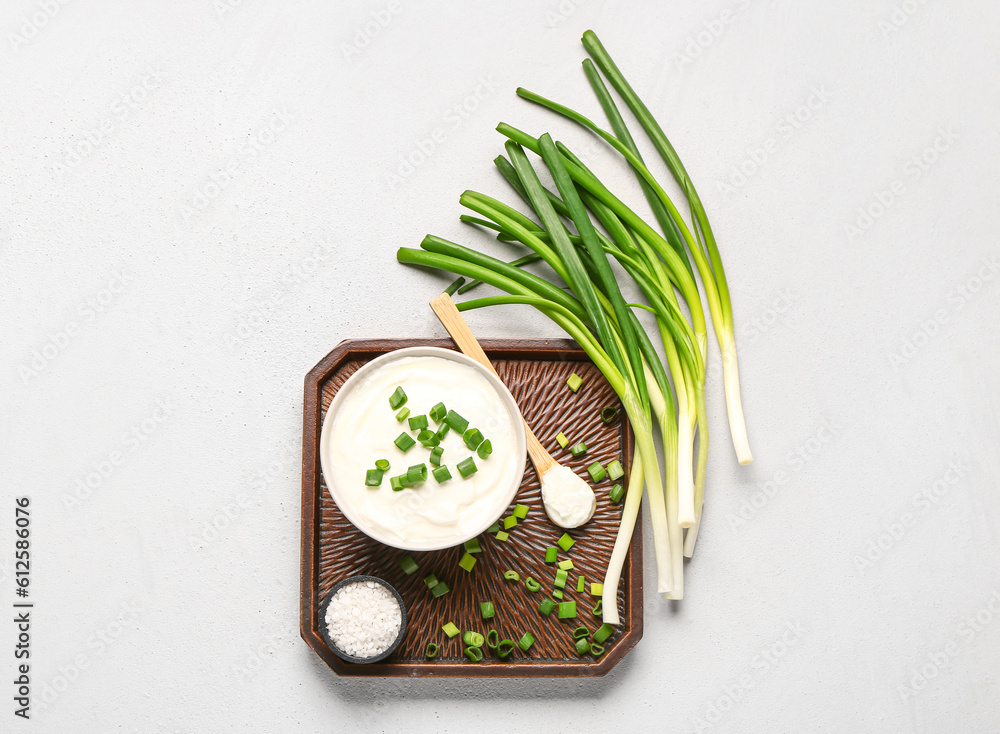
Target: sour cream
{"x": 364, "y": 427}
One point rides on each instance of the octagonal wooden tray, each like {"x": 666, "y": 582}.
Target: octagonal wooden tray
{"x": 535, "y": 371}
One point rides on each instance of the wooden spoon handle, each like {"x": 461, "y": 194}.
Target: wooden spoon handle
{"x": 459, "y": 330}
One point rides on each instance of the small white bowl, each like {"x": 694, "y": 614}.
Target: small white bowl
{"x": 505, "y": 492}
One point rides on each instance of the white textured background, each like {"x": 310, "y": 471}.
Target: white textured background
{"x": 197, "y": 204}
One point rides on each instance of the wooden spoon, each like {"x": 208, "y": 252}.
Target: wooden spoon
{"x": 569, "y": 501}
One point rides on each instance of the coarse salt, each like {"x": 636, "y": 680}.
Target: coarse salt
{"x": 363, "y": 619}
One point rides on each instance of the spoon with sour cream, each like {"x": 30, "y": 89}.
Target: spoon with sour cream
{"x": 569, "y": 501}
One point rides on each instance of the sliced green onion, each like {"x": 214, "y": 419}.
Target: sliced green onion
{"x": 562, "y": 440}
{"x": 467, "y": 562}
{"x": 616, "y": 493}
{"x": 416, "y": 473}
{"x": 401, "y": 415}
{"x": 473, "y": 638}
{"x": 547, "y": 607}
{"x": 373, "y": 478}
{"x": 505, "y": 648}
{"x": 574, "y": 382}
{"x": 442, "y": 473}
{"x": 531, "y": 585}
{"x": 472, "y": 546}
{"x": 436, "y": 453}
{"x": 408, "y": 565}
{"x": 521, "y": 511}
{"x": 404, "y": 442}
{"x": 603, "y": 632}
{"x": 582, "y": 646}
{"x": 567, "y": 609}
{"x": 512, "y": 575}
{"x": 431, "y": 580}
{"x": 474, "y": 654}
{"x": 502, "y": 536}
{"x": 596, "y": 650}
{"x": 431, "y": 650}
{"x": 609, "y": 414}
{"x": 597, "y": 471}
{"x": 615, "y": 470}
{"x": 596, "y": 589}
{"x": 473, "y": 437}
{"x": 382, "y": 465}
{"x": 486, "y": 610}
{"x": 579, "y": 449}
{"x": 397, "y": 399}
{"x": 581, "y": 632}
{"x": 417, "y": 422}
{"x": 450, "y": 629}
{"x": 428, "y": 438}
{"x": 467, "y": 467}
{"x": 493, "y": 640}
{"x": 509, "y": 522}
{"x": 565, "y": 565}
{"x": 580, "y": 583}
{"x": 557, "y": 593}
{"x": 494, "y": 528}
{"x": 440, "y": 590}
{"x": 561, "y": 577}
{"x": 438, "y": 412}
{"x": 566, "y": 541}
{"x": 397, "y": 483}
{"x": 454, "y": 420}
{"x": 442, "y": 431}
{"x": 551, "y": 553}
{"x": 526, "y": 641}
{"x": 598, "y": 609}
{"x": 485, "y": 449}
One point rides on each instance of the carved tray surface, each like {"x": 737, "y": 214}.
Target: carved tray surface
{"x": 535, "y": 371}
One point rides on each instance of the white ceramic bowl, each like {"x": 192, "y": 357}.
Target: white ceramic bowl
{"x": 505, "y": 490}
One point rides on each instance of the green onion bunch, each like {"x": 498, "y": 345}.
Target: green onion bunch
{"x": 577, "y": 230}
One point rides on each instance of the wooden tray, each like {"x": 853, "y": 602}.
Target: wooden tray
{"x": 535, "y": 371}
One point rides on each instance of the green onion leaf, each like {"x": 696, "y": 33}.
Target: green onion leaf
{"x": 440, "y": 590}
{"x": 551, "y": 553}
{"x": 574, "y": 382}
{"x": 603, "y": 632}
{"x": 472, "y": 437}
{"x": 531, "y": 585}
{"x": 436, "y": 453}
{"x": 561, "y": 577}
{"x": 580, "y": 583}
{"x": 509, "y": 522}
{"x": 562, "y": 440}
{"x": 450, "y": 629}
{"x": 397, "y": 399}
{"x": 428, "y": 438}
{"x": 467, "y": 467}
{"x": 596, "y": 650}
{"x": 557, "y": 593}
{"x": 579, "y": 449}
{"x": 567, "y": 609}
{"x": 472, "y": 546}
{"x": 373, "y": 478}
{"x": 485, "y": 449}
{"x": 505, "y": 648}
{"x": 597, "y": 471}
{"x": 493, "y": 640}
{"x": 566, "y": 541}
{"x": 438, "y": 412}
{"x": 486, "y": 610}
{"x": 547, "y": 607}
{"x": 408, "y": 565}
{"x": 397, "y": 483}
{"x": 467, "y": 562}
{"x": 401, "y": 415}
{"x": 474, "y": 654}
{"x": 454, "y": 420}
{"x": 417, "y": 422}
{"x": 582, "y": 646}
{"x": 609, "y": 415}
{"x": 502, "y": 536}
{"x": 596, "y": 589}
{"x": 521, "y": 511}
{"x": 616, "y": 493}
{"x": 441, "y": 474}
{"x": 512, "y": 575}
{"x": 404, "y": 442}
{"x": 431, "y": 650}
{"x": 615, "y": 470}
{"x": 382, "y": 465}
{"x": 526, "y": 641}
{"x": 580, "y": 632}
{"x": 598, "y": 609}
{"x": 430, "y": 580}
{"x": 565, "y": 565}
{"x": 494, "y": 528}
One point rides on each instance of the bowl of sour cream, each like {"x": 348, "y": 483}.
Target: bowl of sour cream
{"x": 361, "y": 427}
